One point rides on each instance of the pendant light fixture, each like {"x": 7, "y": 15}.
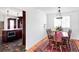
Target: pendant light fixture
{"x": 59, "y": 16}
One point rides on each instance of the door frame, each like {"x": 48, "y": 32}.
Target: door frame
{"x": 24, "y": 28}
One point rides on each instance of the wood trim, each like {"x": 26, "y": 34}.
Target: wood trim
{"x": 24, "y": 28}
{"x": 20, "y": 21}
{"x": 38, "y": 44}
{"x": 9, "y": 22}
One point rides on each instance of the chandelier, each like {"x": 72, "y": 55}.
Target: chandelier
{"x": 59, "y": 16}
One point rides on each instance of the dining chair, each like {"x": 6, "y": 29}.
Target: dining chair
{"x": 58, "y": 39}
{"x": 69, "y": 36}
{"x": 50, "y": 37}
{"x": 66, "y": 40}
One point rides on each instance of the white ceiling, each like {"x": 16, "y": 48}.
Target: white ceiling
{"x": 12, "y": 11}
{"x": 49, "y": 10}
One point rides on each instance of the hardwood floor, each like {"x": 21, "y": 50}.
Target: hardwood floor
{"x": 43, "y": 46}
{"x": 76, "y": 42}
{"x": 39, "y": 45}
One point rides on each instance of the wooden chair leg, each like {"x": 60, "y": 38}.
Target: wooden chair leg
{"x": 60, "y": 48}
{"x": 56, "y": 46}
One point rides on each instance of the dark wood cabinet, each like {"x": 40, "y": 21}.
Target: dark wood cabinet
{"x": 11, "y": 35}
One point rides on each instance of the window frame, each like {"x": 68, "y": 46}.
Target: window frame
{"x": 61, "y": 22}
{"x": 9, "y": 22}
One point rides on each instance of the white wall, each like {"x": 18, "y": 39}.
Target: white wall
{"x": 74, "y": 22}
{"x": 5, "y": 19}
{"x": 34, "y": 26}
{"x": 75, "y": 25}
{"x": 50, "y": 20}
{"x": 11, "y": 14}
{"x": 1, "y": 17}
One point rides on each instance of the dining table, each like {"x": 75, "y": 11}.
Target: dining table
{"x": 64, "y": 34}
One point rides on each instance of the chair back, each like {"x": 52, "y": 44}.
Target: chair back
{"x": 58, "y": 36}
{"x": 49, "y": 32}
{"x": 69, "y": 33}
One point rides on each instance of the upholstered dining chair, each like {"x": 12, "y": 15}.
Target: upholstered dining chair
{"x": 66, "y": 40}
{"x": 69, "y": 36}
{"x": 50, "y": 37}
{"x": 58, "y": 39}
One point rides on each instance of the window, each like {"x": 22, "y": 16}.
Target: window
{"x": 11, "y": 24}
{"x": 65, "y": 22}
